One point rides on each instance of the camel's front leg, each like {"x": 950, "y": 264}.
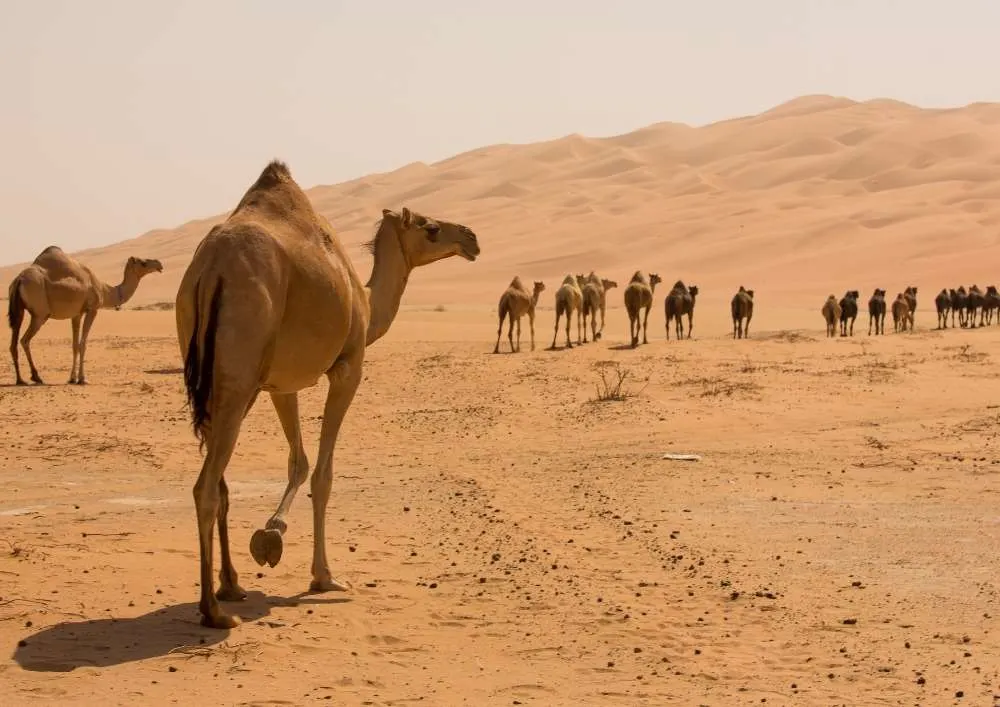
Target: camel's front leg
{"x": 33, "y": 326}
{"x": 531, "y": 322}
{"x": 76, "y": 348}
{"x": 645, "y": 321}
{"x": 88, "y": 321}
{"x": 344, "y": 379}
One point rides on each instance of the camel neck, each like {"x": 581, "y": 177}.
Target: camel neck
{"x": 117, "y": 295}
{"x": 390, "y": 272}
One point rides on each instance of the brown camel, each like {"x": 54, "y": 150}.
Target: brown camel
{"x": 742, "y": 308}
{"x": 608, "y": 285}
{"x": 57, "y": 286}
{"x": 592, "y": 292}
{"x": 271, "y": 302}
{"x": 876, "y": 312}
{"x": 991, "y": 304}
{"x": 959, "y": 303}
{"x": 942, "y": 303}
{"x": 515, "y": 302}
{"x": 569, "y": 300}
{"x": 901, "y": 316}
{"x": 848, "y": 311}
{"x": 639, "y": 295}
{"x": 678, "y": 302}
{"x": 910, "y": 295}
{"x": 831, "y": 313}
{"x": 974, "y": 304}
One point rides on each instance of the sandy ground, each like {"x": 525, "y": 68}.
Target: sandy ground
{"x": 512, "y": 541}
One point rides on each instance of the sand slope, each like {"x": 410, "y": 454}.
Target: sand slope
{"x": 817, "y": 195}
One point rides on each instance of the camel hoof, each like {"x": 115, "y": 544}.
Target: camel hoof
{"x": 266, "y": 547}
{"x": 328, "y": 585}
{"x": 81, "y": 381}
{"x": 20, "y": 381}
{"x": 37, "y": 379}
{"x": 232, "y": 593}
{"x": 220, "y": 620}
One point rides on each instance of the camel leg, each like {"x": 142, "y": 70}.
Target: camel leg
{"x": 519, "y": 335}
{"x": 33, "y": 326}
{"x": 266, "y": 544}
{"x": 88, "y": 321}
{"x": 76, "y": 348}
{"x": 668, "y": 327}
{"x": 555, "y": 333}
{"x": 579, "y": 326}
{"x": 569, "y": 324}
{"x": 531, "y": 322}
{"x": 690, "y": 323}
{"x": 344, "y": 379}
{"x": 496, "y": 349}
{"x": 645, "y": 321}
{"x": 510, "y": 332}
{"x": 15, "y": 330}
{"x": 229, "y": 585}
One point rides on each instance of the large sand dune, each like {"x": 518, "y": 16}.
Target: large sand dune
{"x": 817, "y": 195}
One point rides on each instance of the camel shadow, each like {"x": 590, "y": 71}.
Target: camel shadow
{"x": 164, "y": 371}
{"x": 622, "y": 347}
{"x": 103, "y": 643}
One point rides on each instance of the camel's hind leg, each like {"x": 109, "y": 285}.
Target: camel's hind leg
{"x": 555, "y": 332}
{"x": 15, "y": 330}
{"x": 229, "y": 586}
{"x": 76, "y": 348}
{"x": 266, "y": 544}
{"x": 36, "y": 323}
{"x": 344, "y": 377}
{"x": 519, "y": 335}
{"x": 496, "y": 349}
{"x": 569, "y": 325}
{"x": 510, "y": 332}
{"x": 645, "y": 321}
{"x": 88, "y": 322}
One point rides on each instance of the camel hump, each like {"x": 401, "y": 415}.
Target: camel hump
{"x": 516, "y": 283}
{"x": 275, "y": 172}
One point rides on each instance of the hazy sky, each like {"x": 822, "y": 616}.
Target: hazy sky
{"x": 119, "y": 116}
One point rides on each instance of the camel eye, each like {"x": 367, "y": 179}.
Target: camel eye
{"x": 432, "y": 229}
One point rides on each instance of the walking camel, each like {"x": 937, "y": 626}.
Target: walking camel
{"x": 901, "y": 316}
{"x": 910, "y": 295}
{"x": 569, "y": 300}
{"x": 974, "y": 304}
{"x": 678, "y": 302}
{"x": 942, "y": 303}
{"x": 848, "y": 311}
{"x": 515, "y": 302}
{"x": 991, "y": 304}
{"x": 592, "y": 294}
{"x": 742, "y": 308}
{"x": 58, "y": 286}
{"x": 271, "y": 302}
{"x": 876, "y": 312}
{"x": 959, "y": 302}
{"x": 608, "y": 285}
{"x": 831, "y": 313}
{"x": 639, "y": 295}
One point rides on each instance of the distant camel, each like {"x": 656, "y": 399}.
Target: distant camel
{"x": 742, "y": 308}
{"x": 974, "y": 305}
{"x": 991, "y": 303}
{"x": 678, "y": 302}
{"x": 831, "y": 313}
{"x": 592, "y": 290}
{"x": 876, "y": 312}
{"x": 639, "y": 295}
{"x": 910, "y": 295}
{"x": 608, "y": 285}
{"x": 901, "y": 317}
{"x": 57, "y": 286}
{"x": 959, "y": 303}
{"x": 515, "y": 302}
{"x": 848, "y": 310}
{"x": 569, "y": 300}
{"x": 943, "y": 305}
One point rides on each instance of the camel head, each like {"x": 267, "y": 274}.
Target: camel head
{"x": 911, "y": 290}
{"x": 853, "y": 294}
{"x": 654, "y": 279}
{"x": 608, "y": 284}
{"x": 693, "y": 290}
{"x": 425, "y": 240}
{"x": 581, "y": 281}
{"x": 749, "y": 292}
{"x": 141, "y": 267}
{"x": 539, "y": 287}
{"x": 991, "y": 290}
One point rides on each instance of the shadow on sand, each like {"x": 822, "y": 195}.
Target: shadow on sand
{"x": 106, "y": 642}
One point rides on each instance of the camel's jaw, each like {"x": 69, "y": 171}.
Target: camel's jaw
{"x": 468, "y": 253}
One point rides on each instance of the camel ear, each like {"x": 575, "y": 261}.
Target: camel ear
{"x": 405, "y": 217}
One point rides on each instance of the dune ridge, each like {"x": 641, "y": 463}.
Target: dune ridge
{"x": 819, "y": 189}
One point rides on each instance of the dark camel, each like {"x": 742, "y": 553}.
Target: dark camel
{"x": 943, "y": 305}
{"x": 680, "y": 301}
{"x": 959, "y": 303}
{"x": 742, "y": 308}
{"x": 831, "y": 313}
{"x": 848, "y": 311}
{"x": 876, "y": 312}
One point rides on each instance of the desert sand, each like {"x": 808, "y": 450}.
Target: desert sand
{"x": 510, "y": 538}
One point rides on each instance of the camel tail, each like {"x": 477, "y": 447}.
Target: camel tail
{"x": 15, "y": 305}
{"x": 199, "y": 364}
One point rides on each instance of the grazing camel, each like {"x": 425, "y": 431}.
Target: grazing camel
{"x": 876, "y": 312}
{"x": 639, "y": 295}
{"x": 910, "y": 295}
{"x": 592, "y": 292}
{"x": 678, "y": 302}
{"x": 959, "y": 303}
{"x": 742, "y": 308}
{"x": 991, "y": 303}
{"x": 848, "y": 310}
{"x": 271, "y": 302}
{"x": 57, "y": 286}
{"x": 974, "y": 305}
{"x": 942, "y": 303}
{"x": 569, "y": 300}
{"x": 901, "y": 316}
{"x": 831, "y": 313}
{"x": 515, "y": 302}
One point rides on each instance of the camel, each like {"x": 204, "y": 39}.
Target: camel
{"x": 515, "y": 302}
{"x": 876, "y": 312}
{"x": 848, "y": 310}
{"x": 569, "y": 300}
{"x": 271, "y": 302}
{"x": 594, "y": 297}
{"x": 959, "y": 303}
{"x": 831, "y": 313}
{"x": 639, "y": 295}
{"x": 742, "y": 308}
{"x": 974, "y": 304}
{"x": 910, "y": 295}
{"x": 680, "y": 301}
{"x": 608, "y": 285}
{"x": 58, "y": 286}
{"x": 901, "y": 316}
{"x": 991, "y": 303}
{"x": 943, "y": 304}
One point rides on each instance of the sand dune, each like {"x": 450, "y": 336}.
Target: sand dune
{"x": 745, "y": 191}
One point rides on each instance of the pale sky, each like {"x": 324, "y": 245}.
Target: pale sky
{"x": 119, "y": 116}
